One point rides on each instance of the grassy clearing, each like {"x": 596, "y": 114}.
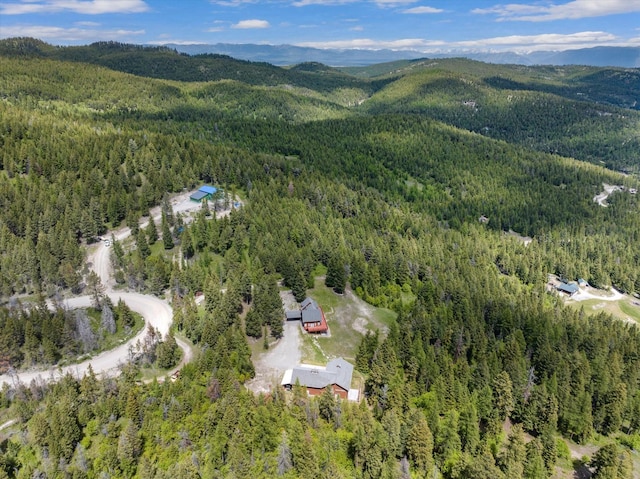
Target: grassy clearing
{"x": 624, "y": 309}
{"x": 349, "y": 318}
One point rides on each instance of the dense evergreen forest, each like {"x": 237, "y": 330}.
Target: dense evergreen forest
{"x": 382, "y": 182}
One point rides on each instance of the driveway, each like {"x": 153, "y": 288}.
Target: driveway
{"x": 270, "y": 365}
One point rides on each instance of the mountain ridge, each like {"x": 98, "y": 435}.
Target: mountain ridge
{"x": 602, "y": 56}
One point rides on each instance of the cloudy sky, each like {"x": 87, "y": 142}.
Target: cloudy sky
{"x": 424, "y": 25}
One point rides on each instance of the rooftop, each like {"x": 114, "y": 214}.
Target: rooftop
{"x": 338, "y": 372}
{"x": 210, "y": 190}
{"x": 569, "y": 288}
{"x": 198, "y": 195}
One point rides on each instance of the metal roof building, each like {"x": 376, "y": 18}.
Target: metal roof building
{"x": 568, "y": 288}
{"x": 198, "y": 196}
{"x": 338, "y": 374}
{"x": 210, "y": 190}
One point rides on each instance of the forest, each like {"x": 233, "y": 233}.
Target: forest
{"x": 381, "y": 183}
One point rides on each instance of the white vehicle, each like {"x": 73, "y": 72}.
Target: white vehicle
{"x": 107, "y": 242}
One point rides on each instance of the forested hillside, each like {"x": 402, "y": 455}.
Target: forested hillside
{"x": 484, "y": 373}
{"x": 585, "y": 113}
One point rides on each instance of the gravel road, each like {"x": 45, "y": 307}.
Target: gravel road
{"x": 601, "y": 198}
{"x": 155, "y": 311}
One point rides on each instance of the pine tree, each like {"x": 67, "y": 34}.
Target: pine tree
{"x": 253, "y": 324}
{"x": 152, "y": 230}
{"x": 167, "y": 352}
{"x": 284, "y": 455}
{"x": 143, "y": 247}
{"x": 514, "y": 453}
{"x": 534, "y": 467}
{"x": 95, "y": 289}
{"x": 336, "y": 277}
{"x": 167, "y": 238}
{"x": 612, "y": 462}
{"x": 469, "y": 428}
{"x": 327, "y": 404}
{"x": 129, "y": 447}
{"x": 503, "y": 395}
{"x": 420, "y": 444}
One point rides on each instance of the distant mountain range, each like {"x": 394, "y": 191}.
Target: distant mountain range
{"x": 626, "y": 57}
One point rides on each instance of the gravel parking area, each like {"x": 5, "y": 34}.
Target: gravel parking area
{"x": 284, "y": 354}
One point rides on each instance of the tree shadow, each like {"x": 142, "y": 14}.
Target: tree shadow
{"x": 581, "y": 471}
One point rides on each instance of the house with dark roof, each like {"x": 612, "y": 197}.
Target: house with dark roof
{"x": 313, "y": 320}
{"x": 310, "y": 315}
{"x": 293, "y": 315}
{"x": 568, "y": 288}
{"x": 336, "y": 375}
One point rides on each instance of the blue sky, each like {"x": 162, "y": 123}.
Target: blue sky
{"x": 423, "y": 25}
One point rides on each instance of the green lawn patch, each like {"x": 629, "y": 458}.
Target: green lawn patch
{"x": 622, "y": 309}
{"x": 630, "y": 310}
{"x": 349, "y": 318}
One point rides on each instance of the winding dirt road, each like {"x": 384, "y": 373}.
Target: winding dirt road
{"x": 601, "y": 198}
{"x": 155, "y": 311}
{"x": 585, "y": 294}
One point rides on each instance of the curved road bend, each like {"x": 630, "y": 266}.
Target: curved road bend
{"x": 156, "y": 312}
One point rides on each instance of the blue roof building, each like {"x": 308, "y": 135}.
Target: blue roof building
{"x": 210, "y": 190}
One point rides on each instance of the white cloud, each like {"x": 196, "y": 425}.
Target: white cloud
{"x": 57, "y": 34}
{"x": 513, "y": 43}
{"x": 421, "y": 10}
{"x": 232, "y": 3}
{"x": 87, "y": 7}
{"x": 215, "y": 29}
{"x": 250, "y": 24}
{"x": 86, "y": 24}
{"x": 379, "y": 3}
{"x": 571, "y": 10}
{"x": 304, "y": 3}
{"x": 392, "y": 3}
{"x": 547, "y": 41}
{"x": 169, "y": 40}
{"x": 357, "y": 28}
{"x": 369, "y": 44}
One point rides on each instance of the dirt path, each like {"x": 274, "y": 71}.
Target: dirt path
{"x": 7, "y": 424}
{"x": 283, "y": 355}
{"x": 586, "y": 293}
{"x": 155, "y": 311}
{"x": 601, "y": 198}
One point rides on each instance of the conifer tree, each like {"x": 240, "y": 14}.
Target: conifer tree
{"x": 336, "y": 277}
{"x": 152, "y": 230}
{"x": 420, "y": 444}
{"x": 143, "y": 247}
{"x": 167, "y": 238}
